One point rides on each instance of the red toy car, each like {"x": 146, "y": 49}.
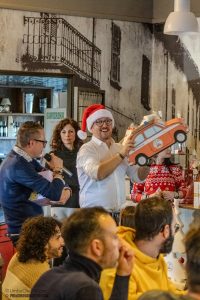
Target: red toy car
{"x": 154, "y": 136}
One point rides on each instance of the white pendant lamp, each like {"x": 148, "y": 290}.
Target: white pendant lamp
{"x": 181, "y": 20}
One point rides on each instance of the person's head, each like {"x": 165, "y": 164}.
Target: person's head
{"x": 157, "y": 295}
{"x": 166, "y": 153}
{"x": 127, "y": 217}
{"x": 40, "y": 239}
{"x": 92, "y": 232}
{"x": 163, "y": 157}
{"x": 65, "y": 134}
{"x": 155, "y": 216}
{"x": 99, "y": 121}
{"x": 31, "y": 138}
{"x": 192, "y": 246}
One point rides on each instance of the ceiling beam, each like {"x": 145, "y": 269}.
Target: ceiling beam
{"x": 127, "y": 10}
{"x": 148, "y": 11}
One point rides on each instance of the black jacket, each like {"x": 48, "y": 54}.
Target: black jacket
{"x": 69, "y": 161}
{"x": 76, "y": 279}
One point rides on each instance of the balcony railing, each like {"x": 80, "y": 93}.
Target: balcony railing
{"x": 55, "y": 41}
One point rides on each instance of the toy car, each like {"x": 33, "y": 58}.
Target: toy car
{"x": 154, "y": 136}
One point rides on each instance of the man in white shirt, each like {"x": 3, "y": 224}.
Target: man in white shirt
{"x": 102, "y": 164}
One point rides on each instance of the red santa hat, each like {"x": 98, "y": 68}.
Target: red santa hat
{"x": 90, "y": 115}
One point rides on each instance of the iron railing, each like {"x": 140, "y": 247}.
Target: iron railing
{"x": 55, "y": 41}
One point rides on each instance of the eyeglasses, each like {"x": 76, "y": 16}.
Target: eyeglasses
{"x": 176, "y": 227}
{"x": 100, "y": 123}
{"x": 41, "y": 141}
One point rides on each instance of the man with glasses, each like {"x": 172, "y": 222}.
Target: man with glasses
{"x": 102, "y": 164}
{"x": 19, "y": 177}
{"x": 192, "y": 246}
{"x": 153, "y": 236}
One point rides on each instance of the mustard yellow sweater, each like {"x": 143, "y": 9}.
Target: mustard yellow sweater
{"x": 148, "y": 273}
{"x": 20, "y": 278}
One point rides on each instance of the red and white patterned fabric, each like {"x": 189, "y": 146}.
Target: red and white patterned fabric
{"x": 160, "y": 177}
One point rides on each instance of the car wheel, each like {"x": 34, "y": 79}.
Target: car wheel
{"x": 141, "y": 159}
{"x": 180, "y": 136}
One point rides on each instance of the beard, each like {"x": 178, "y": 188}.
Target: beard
{"x": 55, "y": 252}
{"x": 166, "y": 247}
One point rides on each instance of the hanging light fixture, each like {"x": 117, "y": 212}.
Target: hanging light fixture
{"x": 181, "y": 20}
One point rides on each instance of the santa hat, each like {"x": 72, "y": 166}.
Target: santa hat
{"x": 90, "y": 115}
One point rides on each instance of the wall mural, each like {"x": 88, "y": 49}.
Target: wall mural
{"x": 51, "y": 42}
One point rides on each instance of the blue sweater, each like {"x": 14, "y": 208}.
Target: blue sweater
{"x": 19, "y": 178}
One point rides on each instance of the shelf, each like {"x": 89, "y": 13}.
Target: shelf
{"x": 7, "y": 138}
{"x": 17, "y": 110}
{"x": 22, "y": 114}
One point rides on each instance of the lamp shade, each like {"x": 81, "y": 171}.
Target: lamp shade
{"x": 181, "y": 20}
{"x": 5, "y": 101}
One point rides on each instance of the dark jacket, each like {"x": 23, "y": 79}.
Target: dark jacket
{"x": 76, "y": 279}
{"x": 69, "y": 162}
{"x": 19, "y": 178}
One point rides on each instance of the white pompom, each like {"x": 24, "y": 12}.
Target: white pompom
{"x": 82, "y": 134}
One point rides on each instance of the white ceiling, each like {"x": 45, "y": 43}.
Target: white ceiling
{"x": 131, "y": 10}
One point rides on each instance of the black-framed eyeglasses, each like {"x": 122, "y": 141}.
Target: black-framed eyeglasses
{"x": 41, "y": 141}
{"x": 176, "y": 227}
{"x": 100, "y": 123}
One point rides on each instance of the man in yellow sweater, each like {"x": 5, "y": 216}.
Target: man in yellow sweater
{"x": 40, "y": 240}
{"x": 155, "y": 226}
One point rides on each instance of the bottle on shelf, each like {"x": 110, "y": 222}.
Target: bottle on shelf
{"x": 11, "y": 132}
{"x": 1, "y": 128}
{"x": 16, "y": 128}
{"x": 5, "y": 129}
